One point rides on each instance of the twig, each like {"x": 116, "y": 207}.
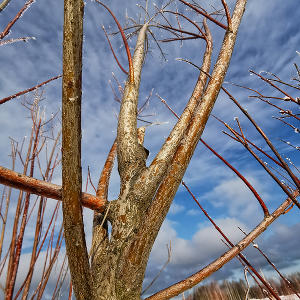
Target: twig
{"x": 28, "y": 90}
{"x": 204, "y": 14}
{"x": 15, "y": 19}
{"x": 160, "y": 271}
{"x": 113, "y": 52}
{"x": 131, "y": 72}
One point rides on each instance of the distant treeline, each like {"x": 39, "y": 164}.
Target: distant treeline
{"x": 236, "y": 290}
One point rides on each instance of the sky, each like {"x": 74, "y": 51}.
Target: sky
{"x": 268, "y": 41}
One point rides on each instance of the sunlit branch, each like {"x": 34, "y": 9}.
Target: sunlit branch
{"x": 102, "y": 188}
{"x": 3, "y": 4}
{"x": 130, "y": 154}
{"x": 43, "y": 188}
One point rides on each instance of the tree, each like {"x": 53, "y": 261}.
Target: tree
{"x": 117, "y": 262}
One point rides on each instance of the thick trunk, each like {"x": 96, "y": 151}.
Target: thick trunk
{"x": 117, "y": 275}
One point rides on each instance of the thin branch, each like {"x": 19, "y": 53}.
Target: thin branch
{"x": 261, "y": 202}
{"x": 204, "y": 14}
{"x": 195, "y": 35}
{"x": 284, "y": 165}
{"x": 248, "y": 141}
{"x": 14, "y": 40}
{"x": 131, "y": 70}
{"x": 255, "y": 245}
{"x": 160, "y": 271}
{"x": 227, "y": 13}
{"x": 6, "y": 30}
{"x": 28, "y": 90}
{"x": 241, "y": 256}
{"x": 113, "y": 52}
{"x": 275, "y": 86}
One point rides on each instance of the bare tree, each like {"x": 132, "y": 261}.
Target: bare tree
{"x": 115, "y": 267}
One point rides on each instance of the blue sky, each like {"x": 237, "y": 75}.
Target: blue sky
{"x": 268, "y": 40}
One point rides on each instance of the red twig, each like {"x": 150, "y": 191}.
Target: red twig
{"x": 90, "y": 179}
{"x": 275, "y": 86}
{"x": 15, "y": 19}
{"x": 70, "y": 291}
{"x": 181, "y": 39}
{"x": 273, "y": 266}
{"x": 284, "y": 165}
{"x": 281, "y": 110}
{"x": 131, "y": 72}
{"x": 288, "y": 124}
{"x": 227, "y": 14}
{"x": 19, "y": 242}
{"x": 185, "y": 17}
{"x": 182, "y": 31}
{"x": 113, "y": 52}
{"x": 261, "y": 202}
{"x": 28, "y": 90}
{"x": 248, "y": 141}
{"x": 204, "y": 14}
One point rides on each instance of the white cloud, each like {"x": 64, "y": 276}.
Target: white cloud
{"x": 193, "y": 212}
{"x": 204, "y": 244}
{"x": 234, "y": 196}
{"x": 176, "y": 208}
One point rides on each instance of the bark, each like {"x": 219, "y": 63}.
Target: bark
{"x": 71, "y": 150}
